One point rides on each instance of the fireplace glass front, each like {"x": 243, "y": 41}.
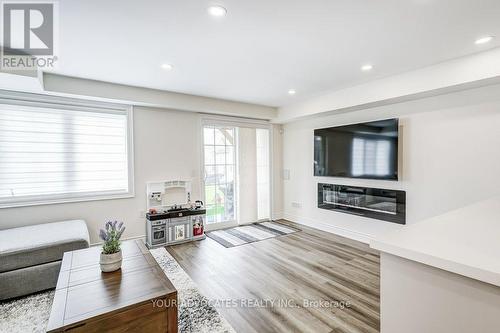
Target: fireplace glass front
{"x": 382, "y": 204}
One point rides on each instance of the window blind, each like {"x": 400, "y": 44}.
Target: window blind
{"x": 49, "y": 153}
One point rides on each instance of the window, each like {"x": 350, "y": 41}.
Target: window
{"x": 56, "y": 152}
{"x": 220, "y": 173}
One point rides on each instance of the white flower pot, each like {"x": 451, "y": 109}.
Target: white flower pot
{"x": 111, "y": 262}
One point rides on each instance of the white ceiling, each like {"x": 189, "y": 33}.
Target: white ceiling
{"x": 262, "y": 48}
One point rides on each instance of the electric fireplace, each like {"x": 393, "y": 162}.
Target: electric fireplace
{"x": 382, "y": 204}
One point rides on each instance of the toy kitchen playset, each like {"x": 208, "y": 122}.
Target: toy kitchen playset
{"x": 171, "y": 217}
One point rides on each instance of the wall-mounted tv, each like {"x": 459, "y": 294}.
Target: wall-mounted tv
{"x": 365, "y": 150}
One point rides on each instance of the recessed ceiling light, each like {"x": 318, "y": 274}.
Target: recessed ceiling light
{"x": 291, "y": 92}
{"x": 217, "y": 11}
{"x": 366, "y": 68}
{"x": 167, "y": 67}
{"x": 484, "y": 40}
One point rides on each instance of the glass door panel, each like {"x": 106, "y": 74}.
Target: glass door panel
{"x": 263, "y": 174}
{"x": 219, "y": 168}
{"x": 254, "y": 175}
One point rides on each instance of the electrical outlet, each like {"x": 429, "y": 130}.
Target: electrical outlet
{"x": 286, "y": 174}
{"x": 296, "y": 205}
{"x": 142, "y": 214}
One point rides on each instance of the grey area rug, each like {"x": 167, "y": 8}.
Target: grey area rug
{"x": 250, "y": 233}
{"x": 196, "y": 314}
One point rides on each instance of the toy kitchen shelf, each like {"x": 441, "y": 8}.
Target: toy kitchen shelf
{"x": 172, "y": 218}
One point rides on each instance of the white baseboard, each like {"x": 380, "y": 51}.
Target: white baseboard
{"x": 324, "y": 226}
{"x": 277, "y": 215}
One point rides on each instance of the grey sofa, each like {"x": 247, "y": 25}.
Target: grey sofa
{"x": 30, "y": 257}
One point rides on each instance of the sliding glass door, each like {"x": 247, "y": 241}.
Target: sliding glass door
{"x": 237, "y": 173}
{"x": 219, "y": 143}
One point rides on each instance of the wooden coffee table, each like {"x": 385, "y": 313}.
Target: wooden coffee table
{"x": 137, "y": 298}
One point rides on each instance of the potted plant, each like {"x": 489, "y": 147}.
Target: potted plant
{"x": 111, "y": 255}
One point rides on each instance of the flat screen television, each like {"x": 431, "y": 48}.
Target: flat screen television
{"x": 366, "y": 150}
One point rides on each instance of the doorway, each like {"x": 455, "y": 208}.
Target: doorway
{"x": 236, "y": 174}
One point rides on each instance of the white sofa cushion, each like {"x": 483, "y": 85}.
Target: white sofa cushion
{"x": 41, "y": 243}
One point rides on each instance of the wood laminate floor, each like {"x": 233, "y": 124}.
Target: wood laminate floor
{"x": 309, "y": 272}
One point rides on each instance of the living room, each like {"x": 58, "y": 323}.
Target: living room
{"x": 324, "y": 166}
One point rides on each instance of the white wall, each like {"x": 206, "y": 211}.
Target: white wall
{"x": 78, "y": 87}
{"x": 166, "y": 146}
{"x": 449, "y": 158}
{"x": 419, "y": 298}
